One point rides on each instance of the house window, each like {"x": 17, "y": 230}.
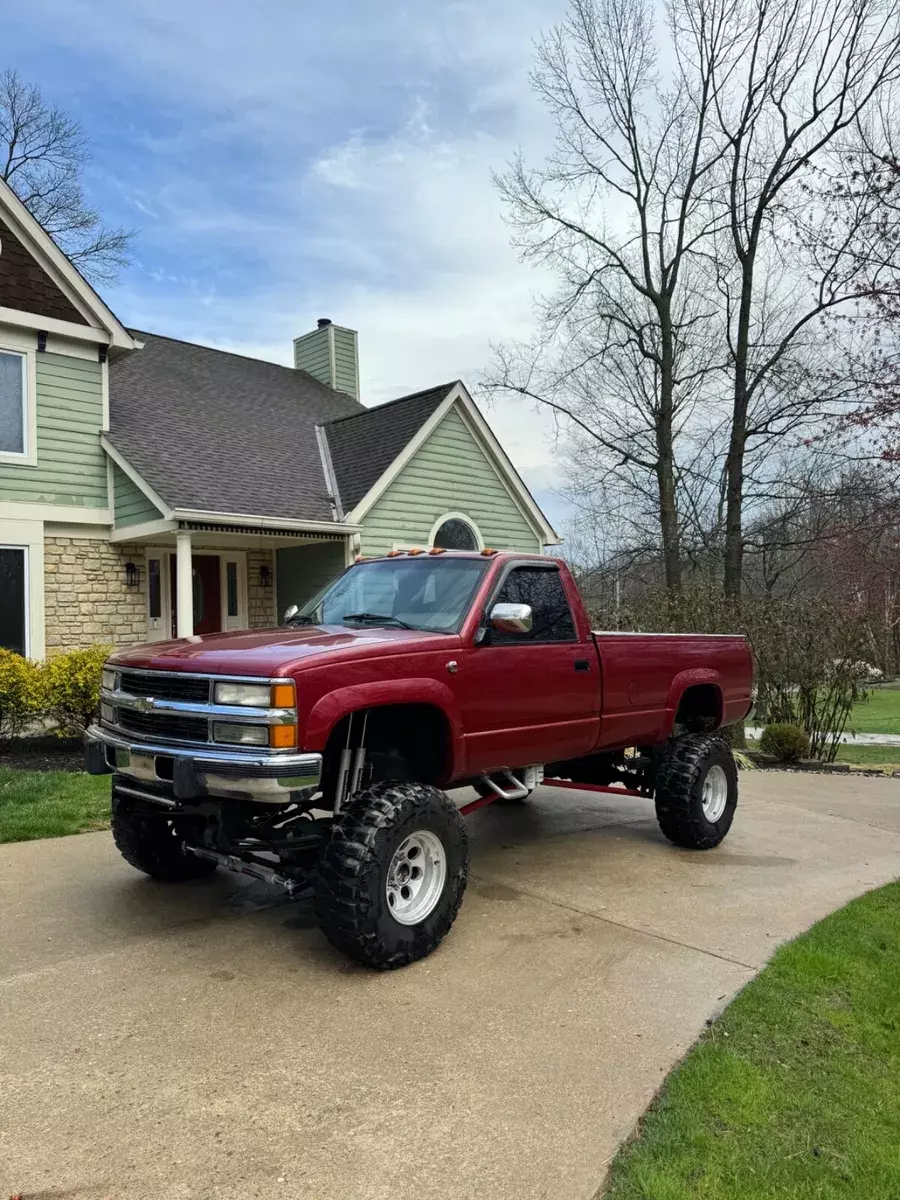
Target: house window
{"x": 154, "y": 587}
{"x": 13, "y": 599}
{"x": 231, "y": 588}
{"x": 455, "y": 533}
{"x": 13, "y": 404}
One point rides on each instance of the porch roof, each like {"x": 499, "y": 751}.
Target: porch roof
{"x": 234, "y": 529}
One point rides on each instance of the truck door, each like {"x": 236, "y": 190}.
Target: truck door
{"x": 530, "y": 697}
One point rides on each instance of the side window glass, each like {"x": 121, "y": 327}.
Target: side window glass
{"x": 540, "y": 587}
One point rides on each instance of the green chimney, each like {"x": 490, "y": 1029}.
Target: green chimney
{"x": 330, "y": 355}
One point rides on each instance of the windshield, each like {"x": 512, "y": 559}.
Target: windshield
{"x": 430, "y": 593}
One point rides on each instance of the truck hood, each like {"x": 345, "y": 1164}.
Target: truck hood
{"x": 271, "y": 651}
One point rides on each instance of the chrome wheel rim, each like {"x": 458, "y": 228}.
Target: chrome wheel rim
{"x": 715, "y": 793}
{"x": 416, "y": 877}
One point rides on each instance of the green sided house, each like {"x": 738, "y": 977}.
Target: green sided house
{"x": 152, "y": 488}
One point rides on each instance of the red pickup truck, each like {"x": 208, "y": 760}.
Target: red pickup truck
{"x": 317, "y": 754}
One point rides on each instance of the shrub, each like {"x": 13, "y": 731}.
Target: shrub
{"x": 787, "y": 743}
{"x": 20, "y": 694}
{"x": 72, "y": 689}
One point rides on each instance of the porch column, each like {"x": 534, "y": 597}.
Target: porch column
{"x": 184, "y": 586}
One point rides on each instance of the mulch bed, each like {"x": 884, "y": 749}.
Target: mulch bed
{"x": 45, "y": 753}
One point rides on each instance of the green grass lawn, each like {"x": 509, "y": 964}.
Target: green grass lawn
{"x": 881, "y": 758}
{"x": 886, "y": 758}
{"x": 39, "y": 804}
{"x": 793, "y": 1091}
{"x": 879, "y": 714}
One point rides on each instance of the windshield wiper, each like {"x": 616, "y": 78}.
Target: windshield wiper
{"x": 298, "y": 619}
{"x": 377, "y": 619}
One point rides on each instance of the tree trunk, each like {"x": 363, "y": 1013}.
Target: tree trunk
{"x": 734, "y": 463}
{"x": 665, "y": 463}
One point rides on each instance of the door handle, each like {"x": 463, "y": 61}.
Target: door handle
{"x": 582, "y": 664}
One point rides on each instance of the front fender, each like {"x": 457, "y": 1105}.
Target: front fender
{"x": 326, "y": 713}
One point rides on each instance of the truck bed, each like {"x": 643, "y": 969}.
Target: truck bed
{"x": 642, "y": 675}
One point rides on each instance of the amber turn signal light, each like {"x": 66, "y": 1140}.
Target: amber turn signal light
{"x": 282, "y": 736}
{"x": 282, "y": 695}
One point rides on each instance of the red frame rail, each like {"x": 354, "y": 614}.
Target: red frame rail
{"x": 559, "y": 783}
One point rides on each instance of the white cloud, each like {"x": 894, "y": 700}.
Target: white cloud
{"x": 379, "y": 214}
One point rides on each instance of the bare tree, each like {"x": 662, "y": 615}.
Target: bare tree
{"x": 808, "y": 73}
{"x": 622, "y": 212}
{"x": 42, "y": 157}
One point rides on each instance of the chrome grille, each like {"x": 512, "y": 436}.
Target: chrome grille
{"x": 167, "y": 726}
{"x": 166, "y": 687}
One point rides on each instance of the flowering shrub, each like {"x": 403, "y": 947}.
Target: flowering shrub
{"x": 71, "y": 689}
{"x": 20, "y": 694}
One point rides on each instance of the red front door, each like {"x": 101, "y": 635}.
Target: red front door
{"x": 535, "y": 697}
{"x": 207, "y": 580}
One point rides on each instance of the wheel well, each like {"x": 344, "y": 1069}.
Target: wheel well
{"x": 700, "y": 708}
{"x": 402, "y": 741}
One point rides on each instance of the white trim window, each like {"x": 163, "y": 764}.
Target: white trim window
{"x": 456, "y": 531}
{"x": 14, "y": 605}
{"x": 17, "y": 407}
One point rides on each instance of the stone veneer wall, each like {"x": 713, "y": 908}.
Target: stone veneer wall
{"x": 86, "y": 599}
{"x": 261, "y": 600}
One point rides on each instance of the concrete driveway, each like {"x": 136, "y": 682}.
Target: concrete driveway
{"x": 204, "y": 1041}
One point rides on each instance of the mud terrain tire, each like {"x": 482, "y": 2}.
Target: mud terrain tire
{"x": 351, "y": 893}
{"x": 696, "y": 791}
{"x": 152, "y": 841}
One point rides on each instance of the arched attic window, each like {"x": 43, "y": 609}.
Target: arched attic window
{"x": 454, "y": 531}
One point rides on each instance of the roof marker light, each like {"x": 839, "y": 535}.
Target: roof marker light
{"x": 415, "y": 550}
{"x": 488, "y": 550}
{"x": 438, "y": 550}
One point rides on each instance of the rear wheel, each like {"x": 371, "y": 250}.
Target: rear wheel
{"x": 392, "y": 874}
{"x": 696, "y": 791}
{"x": 152, "y": 841}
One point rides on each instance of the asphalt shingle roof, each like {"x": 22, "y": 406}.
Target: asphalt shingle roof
{"x": 217, "y": 431}
{"x": 364, "y": 444}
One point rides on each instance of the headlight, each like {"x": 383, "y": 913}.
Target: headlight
{"x": 241, "y": 735}
{"x": 108, "y": 713}
{"x": 108, "y": 679}
{"x": 253, "y": 695}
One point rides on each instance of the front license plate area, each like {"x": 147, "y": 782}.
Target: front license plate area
{"x": 138, "y": 766}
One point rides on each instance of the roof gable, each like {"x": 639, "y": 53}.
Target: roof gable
{"x": 363, "y": 446}
{"x": 37, "y": 279}
{"x": 25, "y": 285}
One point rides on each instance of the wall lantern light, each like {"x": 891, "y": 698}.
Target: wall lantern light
{"x": 265, "y": 576}
{"x": 132, "y": 575}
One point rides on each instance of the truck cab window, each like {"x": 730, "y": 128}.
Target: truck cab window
{"x": 542, "y": 588}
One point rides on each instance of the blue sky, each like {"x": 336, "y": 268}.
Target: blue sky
{"x": 284, "y": 161}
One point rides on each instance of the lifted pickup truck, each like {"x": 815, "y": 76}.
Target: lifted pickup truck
{"x": 316, "y": 755}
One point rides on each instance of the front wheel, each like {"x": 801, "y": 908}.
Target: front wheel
{"x": 696, "y": 791}
{"x": 153, "y": 841}
{"x": 392, "y": 874}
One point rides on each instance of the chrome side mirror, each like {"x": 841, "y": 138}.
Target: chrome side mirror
{"x": 290, "y": 612}
{"x": 512, "y": 618}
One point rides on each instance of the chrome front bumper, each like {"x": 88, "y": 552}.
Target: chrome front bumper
{"x": 193, "y": 773}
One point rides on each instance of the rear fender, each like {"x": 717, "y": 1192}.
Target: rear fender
{"x": 326, "y": 713}
{"x": 680, "y": 684}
